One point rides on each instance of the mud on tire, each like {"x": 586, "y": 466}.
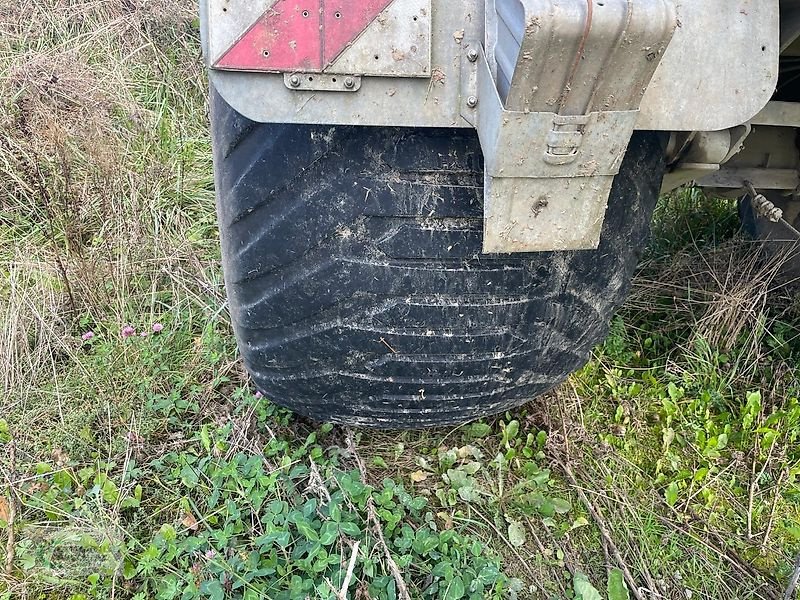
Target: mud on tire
{"x": 357, "y": 287}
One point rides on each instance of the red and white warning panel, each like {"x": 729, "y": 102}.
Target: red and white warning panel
{"x": 389, "y": 38}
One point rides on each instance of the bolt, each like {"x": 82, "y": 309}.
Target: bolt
{"x": 349, "y": 83}
{"x": 294, "y": 81}
{"x": 472, "y": 55}
{"x": 472, "y": 101}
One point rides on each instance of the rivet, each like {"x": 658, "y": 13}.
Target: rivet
{"x": 472, "y": 55}
{"x": 472, "y": 101}
{"x": 349, "y": 83}
{"x": 294, "y": 81}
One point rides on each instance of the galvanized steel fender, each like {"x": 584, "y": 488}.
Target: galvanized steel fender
{"x": 719, "y": 70}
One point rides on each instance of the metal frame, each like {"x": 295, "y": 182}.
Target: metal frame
{"x": 723, "y": 49}
{"x": 762, "y": 153}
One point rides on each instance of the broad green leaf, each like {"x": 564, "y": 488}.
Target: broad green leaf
{"x": 512, "y": 430}
{"x": 488, "y": 574}
{"x": 617, "y": 590}
{"x": 671, "y": 494}
{"x": 205, "y": 438}
{"x": 545, "y": 506}
{"x": 579, "y": 522}
{"x": 455, "y": 589}
{"x": 424, "y": 544}
{"x": 189, "y": 477}
{"x": 479, "y": 430}
{"x": 349, "y": 528}
{"x": 516, "y": 533}
{"x": 443, "y": 569}
{"x": 110, "y": 491}
{"x": 303, "y": 526}
{"x": 561, "y": 506}
{"x": 213, "y": 589}
{"x": 168, "y": 587}
{"x": 469, "y": 494}
{"x": 283, "y": 538}
{"x": 328, "y": 533}
{"x": 584, "y": 590}
{"x": 675, "y": 393}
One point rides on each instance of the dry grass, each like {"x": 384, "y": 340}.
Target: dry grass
{"x": 718, "y": 298}
{"x": 725, "y": 289}
{"x": 104, "y": 181}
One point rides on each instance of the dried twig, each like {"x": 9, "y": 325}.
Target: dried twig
{"x": 372, "y": 515}
{"x": 752, "y": 494}
{"x": 349, "y": 575}
{"x": 385, "y": 343}
{"x": 718, "y": 548}
{"x": 604, "y": 532}
{"x": 609, "y": 565}
{"x": 12, "y": 507}
{"x": 316, "y": 483}
{"x": 544, "y": 553}
{"x": 773, "y": 508}
{"x": 633, "y": 543}
{"x": 793, "y": 580}
{"x": 508, "y": 543}
{"x": 754, "y": 485}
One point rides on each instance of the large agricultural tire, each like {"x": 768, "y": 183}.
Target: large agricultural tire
{"x": 357, "y": 287}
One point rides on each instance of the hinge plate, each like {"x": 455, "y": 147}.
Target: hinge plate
{"x": 322, "y": 82}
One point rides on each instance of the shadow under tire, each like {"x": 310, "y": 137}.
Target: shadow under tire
{"x": 357, "y": 287}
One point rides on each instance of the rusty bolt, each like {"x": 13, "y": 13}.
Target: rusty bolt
{"x": 349, "y": 83}
{"x": 472, "y": 101}
{"x": 294, "y": 81}
{"x": 472, "y": 55}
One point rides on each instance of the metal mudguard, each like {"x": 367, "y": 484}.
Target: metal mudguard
{"x": 555, "y": 88}
{"x": 719, "y": 70}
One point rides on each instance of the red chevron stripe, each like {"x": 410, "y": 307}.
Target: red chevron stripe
{"x": 344, "y": 21}
{"x": 301, "y": 35}
{"x": 285, "y": 38}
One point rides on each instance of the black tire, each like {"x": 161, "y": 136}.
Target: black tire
{"x": 357, "y": 287}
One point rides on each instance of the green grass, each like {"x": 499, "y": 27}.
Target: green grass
{"x": 145, "y": 467}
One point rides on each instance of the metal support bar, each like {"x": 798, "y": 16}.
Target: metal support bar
{"x": 762, "y": 178}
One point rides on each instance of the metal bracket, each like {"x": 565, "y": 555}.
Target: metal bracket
{"x": 554, "y": 145}
{"x": 322, "y": 82}
{"x": 548, "y": 176}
